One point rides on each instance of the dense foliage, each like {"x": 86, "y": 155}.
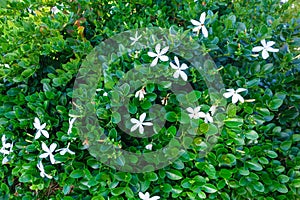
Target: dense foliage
{"x": 256, "y": 156}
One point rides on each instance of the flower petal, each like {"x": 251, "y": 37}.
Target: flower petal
{"x": 177, "y": 61}
{"x": 151, "y": 54}
{"x": 133, "y": 128}
{"x": 164, "y": 58}
{"x": 164, "y": 50}
{"x": 53, "y": 147}
{"x": 147, "y": 124}
{"x": 202, "y": 18}
{"x": 45, "y": 133}
{"x": 44, "y": 155}
{"x": 184, "y": 66}
{"x": 201, "y": 114}
{"x": 176, "y": 74}
{"x": 141, "y": 129}
{"x": 235, "y": 98}
{"x": 154, "y": 62}
{"x": 142, "y": 196}
{"x": 265, "y": 54}
{"x": 204, "y": 31}
{"x": 52, "y": 159}
{"x": 196, "y": 29}
{"x": 263, "y": 42}
{"x": 134, "y": 121}
{"x": 228, "y": 94}
{"x": 196, "y": 23}
{"x": 270, "y": 43}
{"x": 270, "y": 49}
{"x": 257, "y": 49}
{"x": 190, "y": 110}
{"x": 173, "y": 66}
{"x": 183, "y": 75}
{"x": 241, "y": 99}
{"x": 240, "y": 90}
{"x": 157, "y": 48}
{"x": 142, "y": 117}
{"x": 44, "y": 147}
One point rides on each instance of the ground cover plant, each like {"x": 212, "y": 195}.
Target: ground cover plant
{"x": 240, "y": 136}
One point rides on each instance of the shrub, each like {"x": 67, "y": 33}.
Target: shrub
{"x": 45, "y": 47}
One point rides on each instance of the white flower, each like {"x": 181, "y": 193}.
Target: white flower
{"x": 200, "y": 25}
{"x": 149, "y": 146}
{"x": 5, "y": 146}
{"x": 146, "y": 196}
{"x": 212, "y": 110}
{"x": 158, "y": 55}
{"x": 207, "y": 117}
{"x": 284, "y": 1}
{"x": 179, "y": 69}
{"x": 139, "y": 123}
{"x": 48, "y": 151}
{"x": 5, "y": 160}
{"x": 194, "y": 113}
{"x": 63, "y": 151}
{"x": 39, "y": 127}
{"x": 234, "y": 94}
{"x": 55, "y": 10}
{"x": 135, "y": 39}
{"x": 5, "y": 65}
{"x": 71, "y": 122}
{"x": 140, "y": 93}
{"x": 265, "y": 48}
{"x": 40, "y": 166}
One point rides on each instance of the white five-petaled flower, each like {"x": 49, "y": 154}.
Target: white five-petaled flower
{"x": 212, "y": 110}
{"x": 265, "y": 48}
{"x": 149, "y": 146}
{"x": 194, "y": 113}
{"x": 146, "y": 196}
{"x": 49, "y": 152}
{"x": 206, "y": 116}
{"x": 139, "y": 123}
{"x": 200, "y": 25}
{"x": 4, "y": 151}
{"x": 55, "y": 10}
{"x": 40, "y": 166}
{"x": 140, "y": 93}
{"x": 158, "y": 55}
{"x": 40, "y": 129}
{"x": 234, "y": 94}
{"x": 179, "y": 69}
{"x": 63, "y": 151}
{"x": 71, "y": 122}
{"x": 135, "y": 38}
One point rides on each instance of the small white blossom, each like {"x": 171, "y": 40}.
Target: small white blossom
{"x": 234, "y": 94}
{"x": 140, "y": 93}
{"x": 146, "y": 196}
{"x": 55, "y": 10}
{"x": 40, "y": 166}
{"x": 40, "y": 129}
{"x": 63, "y": 151}
{"x": 179, "y": 69}
{"x": 49, "y": 152}
{"x": 207, "y": 117}
{"x": 71, "y": 122}
{"x": 200, "y": 25}
{"x": 284, "y": 1}
{"x": 212, "y": 110}
{"x": 139, "y": 123}
{"x": 149, "y": 146}
{"x": 159, "y": 55}
{"x": 265, "y": 48}
{"x": 135, "y": 39}
{"x": 194, "y": 113}
{"x": 4, "y": 151}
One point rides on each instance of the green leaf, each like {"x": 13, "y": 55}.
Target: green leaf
{"x": 282, "y": 188}
{"x": 171, "y": 116}
{"x": 209, "y": 188}
{"x": 258, "y": 186}
{"x": 284, "y": 179}
{"x": 174, "y": 175}
{"x": 116, "y": 117}
{"x": 24, "y": 178}
{"x": 271, "y": 154}
{"x": 77, "y": 173}
{"x": 117, "y": 191}
{"x": 254, "y": 165}
{"x": 275, "y": 104}
{"x": 234, "y": 122}
{"x": 286, "y": 145}
{"x": 225, "y": 173}
{"x": 251, "y": 135}
{"x": 296, "y": 183}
